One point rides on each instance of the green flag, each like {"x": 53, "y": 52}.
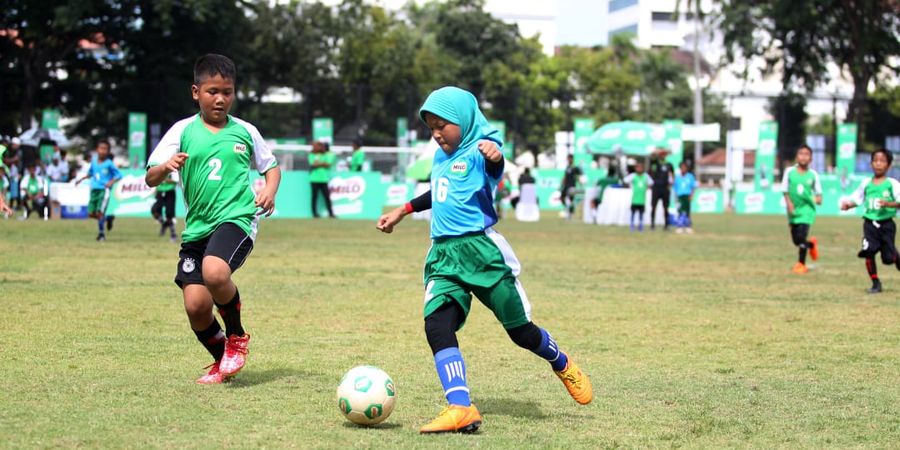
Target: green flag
{"x": 323, "y": 129}
{"x": 583, "y": 129}
{"x": 846, "y": 149}
{"x": 49, "y": 121}
{"x": 402, "y": 131}
{"x": 765, "y": 155}
{"x": 137, "y": 139}
{"x": 673, "y": 139}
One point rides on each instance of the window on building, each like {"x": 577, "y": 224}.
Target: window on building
{"x": 664, "y": 17}
{"x": 630, "y": 29}
{"x": 615, "y": 5}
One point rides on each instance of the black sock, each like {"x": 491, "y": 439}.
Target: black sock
{"x": 213, "y": 339}
{"x": 231, "y": 315}
{"x": 873, "y": 270}
{"x": 802, "y": 254}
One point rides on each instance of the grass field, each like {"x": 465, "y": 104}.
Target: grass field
{"x": 691, "y": 341}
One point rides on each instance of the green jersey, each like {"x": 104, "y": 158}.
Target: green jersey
{"x": 871, "y": 196}
{"x": 802, "y": 188}
{"x": 321, "y": 174}
{"x": 215, "y": 177}
{"x": 169, "y": 183}
{"x": 639, "y": 184}
{"x": 357, "y": 160}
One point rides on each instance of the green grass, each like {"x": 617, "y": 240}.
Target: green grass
{"x": 691, "y": 341}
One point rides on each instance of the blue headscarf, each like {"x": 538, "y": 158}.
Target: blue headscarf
{"x": 460, "y": 107}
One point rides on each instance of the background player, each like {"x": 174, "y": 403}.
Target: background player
{"x": 802, "y": 192}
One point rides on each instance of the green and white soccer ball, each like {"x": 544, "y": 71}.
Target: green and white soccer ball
{"x": 366, "y": 395}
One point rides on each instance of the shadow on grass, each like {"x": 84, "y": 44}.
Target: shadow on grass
{"x": 248, "y": 378}
{"x": 380, "y": 426}
{"x": 510, "y": 407}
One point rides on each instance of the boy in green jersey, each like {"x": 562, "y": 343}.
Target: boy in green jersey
{"x": 358, "y": 157}
{"x": 639, "y": 182}
{"x": 213, "y": 153}
{"x": 802, "y": 192}
{"x": 880, "y": 196}
{"x": 163, "y": 209}
{"x": 321, "y": 165}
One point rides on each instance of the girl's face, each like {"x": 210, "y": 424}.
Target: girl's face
{"x": 879, "y": 164}
{"x": 447, "y": 135}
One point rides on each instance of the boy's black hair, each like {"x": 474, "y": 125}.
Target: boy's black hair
{"x": 210, "y": 65}
{"x": 804, "y": 147}
{"x": 887, "y": 154}
{"x": 103, "y": 141}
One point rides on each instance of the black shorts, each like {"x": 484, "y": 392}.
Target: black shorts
{"x": 637, "y": 209}
{"x": 799, "y": 232}
{"x": 879, "y": 237}
{"x": 228, "y": 242}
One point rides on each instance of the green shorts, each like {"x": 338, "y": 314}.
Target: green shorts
{"x": 99, "y": 201}
{"x": 482, "y": 264}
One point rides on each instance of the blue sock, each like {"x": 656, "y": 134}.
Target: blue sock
{"x": 632, "y": 221}
{"x": 451, "y": 370}
{"x": 550, "y": 351}
{"x": 100, "y": 222}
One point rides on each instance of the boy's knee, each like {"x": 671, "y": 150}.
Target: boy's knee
{"x": 527, "y": 336}
{"x": 197, "y": 310}
{"x": 216, "y": 272}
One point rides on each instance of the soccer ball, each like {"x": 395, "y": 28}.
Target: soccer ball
{"x": 366, "y": 395}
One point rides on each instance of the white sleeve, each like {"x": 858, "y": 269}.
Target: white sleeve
{"x": 859, "y": 196}
{"x": 817, "y": 186}
{"x": 895, "y": 189}
{"x": 785, "y": 183}
{"x": 263, "y": 159}
{"x": 628, "y": 178}
{"x": 170, "y": 144}
{"x": 649, "y": 181}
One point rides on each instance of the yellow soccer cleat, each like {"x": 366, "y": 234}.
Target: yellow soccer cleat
{"x": 455, "y": 419}
{"x": 577, "y": 383}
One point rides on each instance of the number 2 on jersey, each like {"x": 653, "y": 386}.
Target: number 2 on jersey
{"x": 216, "y": 165}
{"x": 439, "y": 189}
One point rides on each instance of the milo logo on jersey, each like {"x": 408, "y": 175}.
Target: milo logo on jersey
{"x": 460, "y": 168}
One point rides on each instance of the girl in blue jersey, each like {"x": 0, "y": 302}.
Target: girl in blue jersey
{"x": 468, "y": 257}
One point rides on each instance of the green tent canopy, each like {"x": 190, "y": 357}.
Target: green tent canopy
{"x": 631, "y": 138}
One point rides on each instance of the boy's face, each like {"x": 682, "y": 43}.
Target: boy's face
{"x": 639, "y": 168}
{"x": 803, "y": 157}
{"x": 683, "y": 168}
{"x": 215, "y": 96}
{"x": 102, "y": 150}
{"x": 447, "y": 135}
{"x": 880, "y": 164}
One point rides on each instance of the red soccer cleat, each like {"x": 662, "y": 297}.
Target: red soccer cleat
{"x": 235, "y": 354}
{"x": 814, "y": 250}
{"x": 214, "y": 376}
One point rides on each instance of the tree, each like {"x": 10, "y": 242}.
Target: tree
{"x": 790, "y": 113}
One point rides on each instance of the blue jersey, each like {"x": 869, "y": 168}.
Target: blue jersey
{"x": 462, "y": 193}
{"x": 685, "y": 184}
{"x": 102, "y": 172}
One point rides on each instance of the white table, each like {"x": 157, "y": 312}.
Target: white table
{"x": 616, "y": 207}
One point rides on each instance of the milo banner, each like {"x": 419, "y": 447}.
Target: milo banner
{"x": 137, "y": 139}
{"x": 49, "y": 121}
{"x": 708, "y": 201}
{"x": 765, "y": 155}
{"x": 584, "y": 128}
{"x": 846, "y": 149}
{"x": 323, "y": 129}
{"x": 759, "y": 202}
{"x": 673, "y": 139}
{"x": 353, "y": 195}
{"x": 402, "y": 132}
{"x": 547, "y": 185}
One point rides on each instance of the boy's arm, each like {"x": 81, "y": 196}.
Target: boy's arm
{"x": 167, "y": 157}
{"x": 117, "y": 175}
{"x": 387, "y": 221}
{"x": 4, "y": 208}
{"x": 265, "y": 200}
{"x": 493, "y": 158}
{"x": 817, "y": 186}
{"x": 858, "y": 197}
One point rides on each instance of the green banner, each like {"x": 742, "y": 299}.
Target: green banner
{"x": 547, "y": 184}
{"x": 673, "y": 138}
{"x": 353, "y": 195}
{"x": 509, "y": 148}
{"x": 765, "y": 155}
{"x": 397, "y": 194}
{"x": 846, "y": 149}
{"x": 323, "y": 129}
{"x": 708, "y": 201}
{"x": 137, "y": 139}
{"x": 583, "y": 129}
{"x": 290, "y": 141}
{"x": 49, "y": 121}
